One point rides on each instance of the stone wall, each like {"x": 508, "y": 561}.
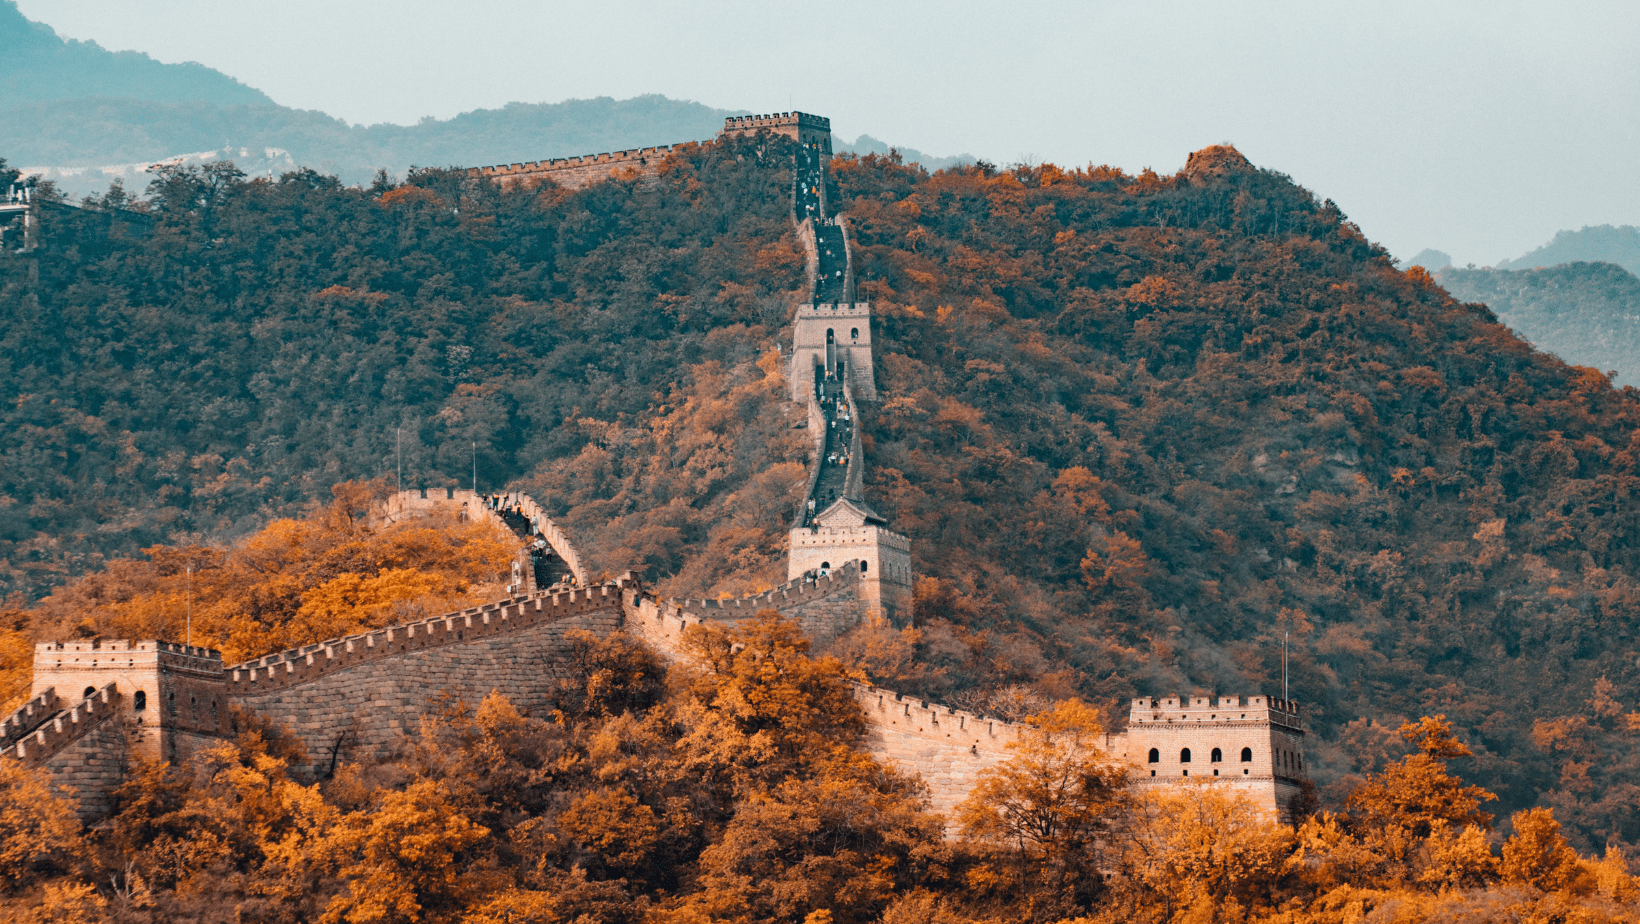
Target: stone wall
{"x": 354, "y": 698}
{"x": 946, "y": 747}
{"x": 802, "y": 127}
{"x": 1256, "y": 746}
{"x": 850, "y": 325}
{"x": 90, "y": 768}
{"x": 826, "y": 607}
{"x": 885, "y": 554}
{"x": 172, "y": 694}
{"x": 578, "y": 172}
{"x": 81, "y": 749}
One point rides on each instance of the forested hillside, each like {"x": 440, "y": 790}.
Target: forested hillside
{"x": 1139, "y": 428}
{"x": 1585, "y": 313}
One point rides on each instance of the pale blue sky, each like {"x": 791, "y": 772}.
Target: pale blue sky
{"x": 1476, "y": 128}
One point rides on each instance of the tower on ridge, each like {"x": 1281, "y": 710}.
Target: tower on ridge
{"x": 832, "y": 340}
{"x": 172, "y": 694}
{"x": 802, "y": 127}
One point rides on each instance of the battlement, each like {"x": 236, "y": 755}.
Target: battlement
{"x": 1204, "y": 709}
{"x": 636, "y": 157}
{"x": 65, "y": 728}
{"x": 794, "y": 592}
{"x": 801, "y": 127}
{"x": 860, "y": 310}
{"x": 80, "y": 661}
{"x": 118, "y": 648}
{"x": 548, "y": 530}
{"x": 772, "y": 122}
{"x": 932, "y": 720}
{"x": 27, "y": 717}
{"x": 297, "y": 666}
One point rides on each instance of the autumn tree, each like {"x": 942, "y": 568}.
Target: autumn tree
{"x": 843, "y": 839}
{"x": 758, "y": 705}
{"x": 1416, "y": 793}
{"x": 40, "y": 836}
{"x": 1049, "y": 809}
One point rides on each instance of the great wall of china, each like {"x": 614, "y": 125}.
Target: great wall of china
{"x": 98, "y": 705}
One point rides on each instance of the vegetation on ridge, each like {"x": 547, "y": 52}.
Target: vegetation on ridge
{"x": 1140, "y": 428}
{"x": 728, "y": 789}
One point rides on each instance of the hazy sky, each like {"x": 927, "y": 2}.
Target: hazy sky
{"x": 1476, "y": 128}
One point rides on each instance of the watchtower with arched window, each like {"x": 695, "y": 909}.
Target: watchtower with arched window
{"x": 836, "y": 340}
{"x": 1254, "y": 744}
{"x": 174, "y": 696}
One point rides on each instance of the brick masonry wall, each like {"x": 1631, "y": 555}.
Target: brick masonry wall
{"x": 946, "y": 747}
{"x": 88, "y": 770}
{"x": 577, "y": 172}
{"x": 364, "y": 710}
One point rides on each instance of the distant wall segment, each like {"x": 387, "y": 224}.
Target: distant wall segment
{"x": 585, "y": 170}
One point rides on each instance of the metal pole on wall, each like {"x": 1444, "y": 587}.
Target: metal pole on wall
{"x": 188, "y": 632}
{"x": 398, "y": 448}
{"x": 475, "y": 468}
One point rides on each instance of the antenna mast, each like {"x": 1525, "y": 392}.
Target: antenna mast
{"x": 1284, "y": 663}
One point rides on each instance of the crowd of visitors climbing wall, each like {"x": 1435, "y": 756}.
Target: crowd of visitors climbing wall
{"x": 834, "y": 447}
{"x": 548, "y": 568}
{"x": 831, "y": 274}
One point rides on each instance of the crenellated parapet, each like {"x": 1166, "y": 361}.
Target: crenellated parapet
{"x": 577, "y": 172}
{"x": 826, "y": 606}
{"x": 308, "y": 663}
{"x": 543, "y": 526}
{"x": 27, "y": 717}
{"x": 64, "y": 728}
{"x": 801, "y": 127}
{"x": 1254, "y": 744}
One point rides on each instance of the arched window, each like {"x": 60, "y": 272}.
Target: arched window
{"x": 865, "y": 566}
{"x": 89, "y": 691}
{"x": 854, "y": 334}
{"x": 1246, "y": 755}
{"x": 830, "y": 336}
{"x": 140, "y": 701}
{"x": 1218, "y": 755}
{"x": 1184, "y": 756}
{"x": 1155, "y": 756}
{"x": 825, "y": 566}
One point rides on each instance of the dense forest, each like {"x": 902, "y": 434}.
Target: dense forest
{"x": 1141, "y": 429}
{"x": 1585, "y": 313}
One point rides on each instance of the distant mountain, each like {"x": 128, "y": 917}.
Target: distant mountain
{"x": 1587, "y": 313}
{"x": 1603, "y": 243}
{"x": 82, "y": 116}
{"x": 1430, "y": 259}
{"x": 865, "y": 144}
{"x": 37, "y": 66}
{"x": 85, "y": 144}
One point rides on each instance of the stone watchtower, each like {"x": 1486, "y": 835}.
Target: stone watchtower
{"x": 173, "y": 695}
{"x": 832, "y": 341}
{"x": 801, "y": 127}
{"x": 1256, "y": 747}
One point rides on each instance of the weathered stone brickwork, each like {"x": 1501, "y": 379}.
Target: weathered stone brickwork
{"x": 354, "y": 698}
{"x": 91, "y": 767}
{"x": 1256, "y": 746}
{"x": 83, "y": 749}
{"x": 587, "y": 169}
{"x": 946, "y": 747}
{"x": 172, "y": 694}
{"x": 802, "y": 127}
